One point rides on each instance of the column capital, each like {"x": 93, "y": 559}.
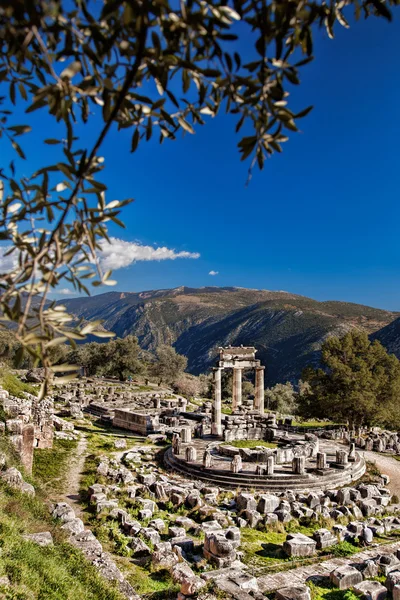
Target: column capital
{"x": 260, "y": 368}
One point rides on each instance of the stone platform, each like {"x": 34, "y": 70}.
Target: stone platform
{"x": 283, "y": 479}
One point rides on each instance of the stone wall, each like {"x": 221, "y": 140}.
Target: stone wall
{"x": 248, "y": 426}
{"x": 135, "y": 421}
{"x": 28, "y": 423}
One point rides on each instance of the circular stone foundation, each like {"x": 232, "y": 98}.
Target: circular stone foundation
{"x": 283, "y": 478}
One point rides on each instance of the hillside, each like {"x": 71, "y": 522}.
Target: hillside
{"x": 287, "y": 329}
{"x": 389, "y": 337}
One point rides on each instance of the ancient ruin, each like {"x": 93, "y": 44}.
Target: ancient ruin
{"x": 237, "y": 359}
{"x": 183, "y": 482}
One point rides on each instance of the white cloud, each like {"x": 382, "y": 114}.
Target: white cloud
{"x": 114, "y": 255}
{"x": 213, "y": 273}
{"x": 64, "y": 292}
{"x": 119, "y": 254}
{"x": 7, "y": 263}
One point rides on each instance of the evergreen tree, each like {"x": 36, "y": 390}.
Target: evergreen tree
{"x": 359, "y": 383}
{"x": 282, "y": 398}
{"x": 170, "y": 365}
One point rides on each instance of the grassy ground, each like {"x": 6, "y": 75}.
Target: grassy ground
{"x": 326, "y": 591}
{"x": 313, "y": 424}
{"x": 15, "y": 387}
{"x": 250, "y": 444}
{"x": 153, "y": 585}
{"x": 262, "y": 548}
{"x": 50, "y": 465}
{"x": 57, "y": 572}
{"x": 149, "y": 584}
{"x": 263, "y": 551}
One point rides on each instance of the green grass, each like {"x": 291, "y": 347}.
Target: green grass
{"x": 344, "y": 549}
{"x": 262, "y": 548}
{"x": 157, "y": 584}
{"x": 57, "y": 572}
{"x": 15, "y": 386}
{"x": 250, "y": 444}
{"x": 313, "y": 424}
{"x": 326, "y": 591}
{"x": 50, "y": 465}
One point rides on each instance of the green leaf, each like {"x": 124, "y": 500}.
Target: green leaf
{"x": 52, "y": 141}
{"x": 135, "y": 140}
{"x": 18, "y": 149}
{"x": 20, "y": 129}
{"x": 304, "y": 112}
{"x": 185, "y": 125}
{"x": 382, "y": 9}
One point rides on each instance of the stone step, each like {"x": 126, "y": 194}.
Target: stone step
{"x": 232, "y": 481}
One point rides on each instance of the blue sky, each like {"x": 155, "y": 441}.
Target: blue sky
{"x": 321, "y": 219}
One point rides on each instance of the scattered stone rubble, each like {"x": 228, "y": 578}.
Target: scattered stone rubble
{"x": 85, "y": 540}
{"x": 377, "y": 440}
{"x": 14, "y": 479}
{"x": 211, "y": 538}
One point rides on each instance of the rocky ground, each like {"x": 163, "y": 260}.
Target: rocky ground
{"x": 388, "y": 465}
{"x": 153, "y": 525}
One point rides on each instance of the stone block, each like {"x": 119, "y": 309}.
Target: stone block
{"x": 345, "y": 577}
{"x": 298, "y": 592}
{"x": 324, "y": 538}
{"x": 370, "y": 590}
{"x": 267, "y": 503}
{"x": 299, "y": 545}
{"x": 392, "y": 580}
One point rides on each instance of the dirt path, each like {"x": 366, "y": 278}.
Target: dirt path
{"x": 388, "y": 466}
{"x": 71, "y": 494}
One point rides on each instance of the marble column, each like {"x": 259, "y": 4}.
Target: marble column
{"x": 321, "y": 460}
{"x": 299, "y": 465}
{"x": 259, "y": 396}
{"x": 216, "y": 426}
{"x": 236, "y": 389}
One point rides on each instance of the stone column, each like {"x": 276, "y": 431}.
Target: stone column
{"x": 191, "y": 454}
{"x": 299, "y": 465}
{"x": 186, "y": 435}
{"x": 321, "y": 460}
{"x": 270, "y": 466}
{"x": 236, "y": 389}
{"x": 216, "y": 426}
{"x": 259, "y": 397}
{"x": 352, "y": 453}
{"x": 236, "y": 464}
{"x": 342, "y": 458}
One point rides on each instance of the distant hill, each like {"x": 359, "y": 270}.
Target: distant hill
{"x": 389, "y": 336}
{"x": 287, "y": 329}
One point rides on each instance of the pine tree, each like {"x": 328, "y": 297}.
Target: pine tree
{"x": 359, "y": 383}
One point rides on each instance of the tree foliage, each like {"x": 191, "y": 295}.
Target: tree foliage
{"x": 154, "y": 68}
{"x": 118, "y": 357}
{"x": 169, "y": 365}
{"x": 358, "y": 384}
{"x": 191, "y": 386}
{"x": 282, "y": 398}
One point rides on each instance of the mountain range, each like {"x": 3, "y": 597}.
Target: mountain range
{"x": 287, "y": 329}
